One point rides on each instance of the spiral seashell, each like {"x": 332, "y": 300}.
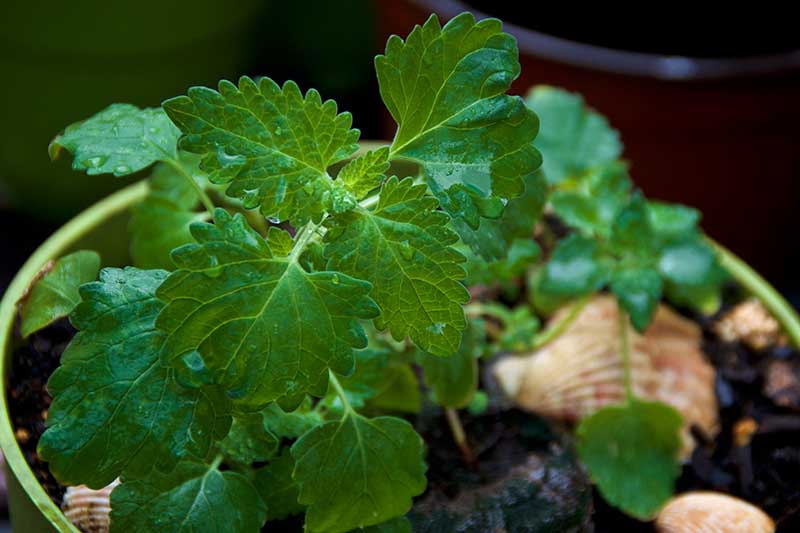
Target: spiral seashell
{"x": 89, "y": 510}
{"x": 582, "y": 371}
{"x": 712, "y": 512}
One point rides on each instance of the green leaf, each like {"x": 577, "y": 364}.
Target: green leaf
{"x": 692, "y": 274}
{"x": 192, "y": 498}
{"x": 591, "y": 203}
{"x": 631, "y": 233}
{"x": 519, "y": 330}
{"x": 264, "y": 328}
{"x": 290, "y": 424}
{"x": 574, "y": 269}
{"x": 160, "y": 223}
{"x": 249, "y": 440}
{"x": 574, "y": 138}
{"x": 631, "y": 452}
{"x": 689, "y": 262}
{"x": 705, "y": 299}
{"x": 395, "y": 525}
{"x": 576, "y": 211}
{"x": 494, "y": 237}
{"x": 444, "y": 87}
{"x": 521, "y": 254}
{"x": 271, "y": 145}
{"x": 368, "y": 378}
{"x": 638, "y": 291}
{"x": 277, "y": 488}
{"x": 280, "y": 241}
{"x": 454, "y": 379}
{"x": 121, "y": 139}
{"x": 479, "y": 404}
{"x": 358, "y": 472}
{"x": 115, "y": 409}
{"x": 403, "y": 248}
{"x": 366, "y": 173}
{"x": 399, "y": 390}
{"x": 672, "y": 221}
{"x": 55, "y": 294}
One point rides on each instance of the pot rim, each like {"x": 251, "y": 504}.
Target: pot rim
{"x": 53, "y": 248}
{"x": 616, "y": 61}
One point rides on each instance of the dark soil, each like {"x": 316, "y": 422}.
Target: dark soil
{"x": 28, "y": 400}
{"x": 761, "y": 465}
{"x": 525, "y": 477}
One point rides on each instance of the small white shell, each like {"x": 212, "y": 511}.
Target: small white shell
{"x": 88, "y": 509}
{"x": 712, "y": 512}
{"x": 581, "y": 371}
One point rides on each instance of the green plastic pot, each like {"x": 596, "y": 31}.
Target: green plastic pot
{"x": 99, "y": 228}
{"x": 63, "y": 61}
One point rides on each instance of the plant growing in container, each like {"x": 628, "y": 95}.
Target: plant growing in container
{"x": 294, "y": 305}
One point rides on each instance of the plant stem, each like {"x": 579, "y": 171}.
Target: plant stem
{"x": 340, "y": 392}
{"x": 216, "y": 463}
{"x": 301, "y": 240}
{"x": 555, "y": 331}
{"x": 751, "y": 281}
{"x": 500, "y": 312}
{"x": 178, "y": 166}
{"x": 459, "y": 436}
{"x": 625, "y": 352}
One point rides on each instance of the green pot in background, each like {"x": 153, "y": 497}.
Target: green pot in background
{"x": 63, "y": 61}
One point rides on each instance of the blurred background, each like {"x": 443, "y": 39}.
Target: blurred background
{"x": 708, "y": 108}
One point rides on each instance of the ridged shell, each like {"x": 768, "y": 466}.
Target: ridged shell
{"x": 712, "y": 512}
{"x": 581, "y": 371}
{"x": 89, "y": 509}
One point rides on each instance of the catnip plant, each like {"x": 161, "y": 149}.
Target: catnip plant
{"x": 258, "y": 358}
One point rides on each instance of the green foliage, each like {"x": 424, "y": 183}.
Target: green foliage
{"x": 160, "y": 223}
{"x": 55, "y": 294}
{"x": 403, "y": 249}
{"x": 574, "y": 138}
{"x": 270, "y": 144}
{"x": 236, "y": 384}
{"x": 364, "y": 174}
{"x": 575, "y": 268}
{"x": 641, "y": 249}
{"x": 454, "y": 379}
{"x": 194, "y": 497}
{"x": 399, "y": 391}
{"x": 290, "y": 424}
{"x": 445, "y": 88}
{"x": 277, "y": 487}
{"x": 631, "y": 452}
{"x": 520, "y": 327}
{"x": 383, "y": 471}
{"x": 120, "y": 140}
{"x": 249, "y": 440}
{"x": 264, "y": 328}
{"x": 116, "y": 410}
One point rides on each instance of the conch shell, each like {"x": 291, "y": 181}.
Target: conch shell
{"x": 712, "y": 512}
{"x": 582, "y": 371}
{"x": 89, "y": 510}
